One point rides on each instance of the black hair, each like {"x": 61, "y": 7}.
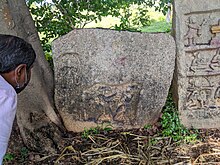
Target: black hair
{"x": 13, "y": 52}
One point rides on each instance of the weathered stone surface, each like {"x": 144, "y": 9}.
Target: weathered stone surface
{"x": 109, "y": 76}
{"x": 197, "y": 73}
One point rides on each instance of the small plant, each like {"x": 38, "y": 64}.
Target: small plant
{"x": 8, "y": 157}
{"x": 24, "y": 154}
{"x": 106, "y": 127}
{"x": 147, "y": 126}
{"x": 88, "y": 132}
{"x": 171, "y": 125}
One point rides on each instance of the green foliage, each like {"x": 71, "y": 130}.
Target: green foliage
{"x": 24, "y": 154}
{"x": 61, "y": 16}
{"x": 8, "y": 157}
{"x": 148, "y": 126}
{"x": 163, "y": 6}
{"x": 105, "y": 127}
{"x": 49, "y": 58}
{"x": 157, "y": 26}
{"x": 171, "y": 125}
{"x": 88, "y": 132}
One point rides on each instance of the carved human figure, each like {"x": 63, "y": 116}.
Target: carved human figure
{"x": 202, "y": 98}
{"x": 113, "y": 103}
{"x": 194, "y": 31}
{"x": 198, "y": 63}
{"x": 199, "y": 83}
{"x": 192, "y": 100}
{"x": 197, "y": 99}
{"x": 215, "y": 62}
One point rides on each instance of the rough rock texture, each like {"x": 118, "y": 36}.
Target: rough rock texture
{"x": 107, "y": 76}
{"x": 36, "y": 116}
{"x": 197, "y": 74}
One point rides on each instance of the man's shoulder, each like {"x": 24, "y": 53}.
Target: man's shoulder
{"x": 6, "y": 89}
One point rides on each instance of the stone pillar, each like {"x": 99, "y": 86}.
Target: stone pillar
{"x": 196, "y": 82}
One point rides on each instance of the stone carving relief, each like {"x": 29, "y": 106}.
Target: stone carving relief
{"x": 197, "y": 83}
{"x": 203, "y": 98}
{"x": 193, "y": 32}
{"x": 71, "y": 68}
{"x": 204, "y": 62}
{"x": 199, "y": 92}
{"x": 112, "y": 103}
{"x": 215, "y": 29}
{"x": 103, "y": 75}
{"x": 217, "y": 96}
{"x": 202, "y": 29}
{"x": 215, "y": 62}
{"x": 201, "y": 114}
{"x": 197, "y": 99}
{"x": 199, "y": 63}
{"x": 203, "y": 46}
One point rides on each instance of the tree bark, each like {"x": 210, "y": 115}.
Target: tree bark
{"x": 40, "y": 126}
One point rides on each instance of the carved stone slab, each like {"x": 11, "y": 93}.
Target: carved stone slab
{"x": 107, "y": 76}
{"x": 197, "y": 73}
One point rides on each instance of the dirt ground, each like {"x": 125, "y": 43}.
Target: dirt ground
{"x": 137, "y": 146}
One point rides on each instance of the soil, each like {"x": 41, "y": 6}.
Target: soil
{"x": 136, "y": 146}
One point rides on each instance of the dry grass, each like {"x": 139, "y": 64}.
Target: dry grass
{"x": 137, "y": 147}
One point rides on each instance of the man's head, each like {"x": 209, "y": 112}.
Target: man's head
{"x": 16, "y": 61}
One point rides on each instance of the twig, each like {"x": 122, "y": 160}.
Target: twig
{"x": 203, "y": 155}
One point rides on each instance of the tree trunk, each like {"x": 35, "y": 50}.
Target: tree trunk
{"x": 40, "y": 126}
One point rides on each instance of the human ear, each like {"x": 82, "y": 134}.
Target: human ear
{"x": 20, "y": 72}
